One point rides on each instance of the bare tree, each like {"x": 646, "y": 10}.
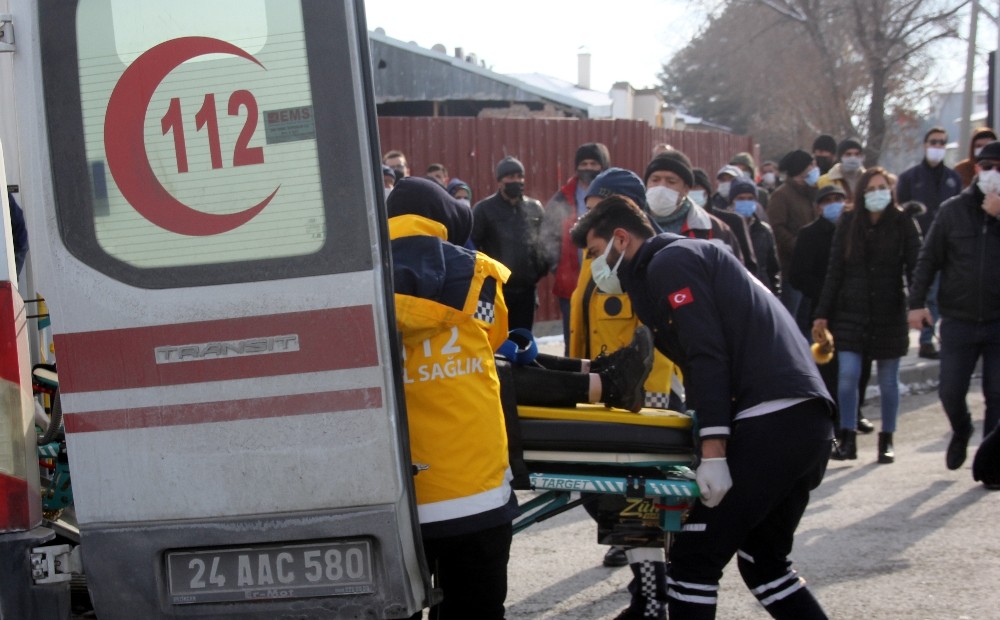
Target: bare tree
{"x": 891, "y": 36}
{"x": 787, "y": 70}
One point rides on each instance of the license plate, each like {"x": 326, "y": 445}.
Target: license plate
{"x": 264, "y": 572}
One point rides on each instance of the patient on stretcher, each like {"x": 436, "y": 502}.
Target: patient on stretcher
{"x": 551, "y": 416}
{"x": 614, "y": 379}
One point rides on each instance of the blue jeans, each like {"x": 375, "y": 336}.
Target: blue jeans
{"x": 927, "y": 333}
{"x": 799, "y": 307}
{"x": 962, "y": 344}
{"x": 848, "y": 395}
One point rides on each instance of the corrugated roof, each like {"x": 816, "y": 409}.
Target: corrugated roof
{"x": 507, "y": 87}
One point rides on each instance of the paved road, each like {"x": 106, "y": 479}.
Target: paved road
{"x": 908, "y": 540}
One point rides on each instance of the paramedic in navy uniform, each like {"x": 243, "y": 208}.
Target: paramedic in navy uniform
{"x": 764, "y": 415}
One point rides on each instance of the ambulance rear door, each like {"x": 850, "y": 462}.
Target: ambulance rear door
{"x": 208, "y": 232}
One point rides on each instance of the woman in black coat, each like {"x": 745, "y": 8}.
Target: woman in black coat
{"x": 864, "y": 302}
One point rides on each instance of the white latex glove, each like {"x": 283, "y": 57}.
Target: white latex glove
{"x": 713, "y": 480}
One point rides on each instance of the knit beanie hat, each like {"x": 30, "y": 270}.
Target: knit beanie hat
{"x": 849, "y": 143}
{"x": 743, "y": 159}
{"x": 701, "y": 180}
{"x": 671, "y": 161}
{"x": 509, "y": 165}
{"x": 618, "y": 181}
{"x": 741, "y": 185}
{"x": 425, "y": 197}
{"x": 593, "y": 150}
{"x": 825, "y": 142}
{"x": 796, "y": 162}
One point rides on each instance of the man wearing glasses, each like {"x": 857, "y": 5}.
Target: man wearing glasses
{"x": 930, "y": 182}
{"x": 963, "y": 247}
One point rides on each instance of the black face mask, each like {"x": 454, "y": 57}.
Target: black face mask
{"x": 514, "y": 189}
{"x": 587, "y": 176}
{"x": 824, "y": 163}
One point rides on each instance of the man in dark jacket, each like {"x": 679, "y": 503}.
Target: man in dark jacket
{"x": 750, "y": 377}
{"x": 743, "y": 201}
{"x": 963, "y": 246}
{"x": 930, "y": 182}
{"x": 810, "y": 259}
{"x": 561, "y": 212}
{"x": 790, "y": 209}
{"x": 507, "y": 227}
{"x": 736, "y": 224}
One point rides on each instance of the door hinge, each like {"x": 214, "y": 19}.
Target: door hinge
{"x": 55, "y": 564}
{"x": 6, "y": 32}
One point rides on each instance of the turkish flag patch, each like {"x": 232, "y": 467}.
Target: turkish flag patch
{"x": 681, "y": 298}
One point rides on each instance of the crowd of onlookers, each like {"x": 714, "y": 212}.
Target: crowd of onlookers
{"x": 856, "y": 255}
{"x": 836, "y": 241}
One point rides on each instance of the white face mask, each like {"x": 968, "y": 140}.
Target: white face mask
{"x": 724, "y": 189}
{"x": 935, "y": 154}
{"x": 850, "y": 164}
{"x": 768, "y": 178}
{"x": 877, "y": 200}
{"x": 989, "y": 182}
{"x": 976, "y": 152}
{"x": 606, "y": 278}
{"x": 662, "y": 200}
{"x": 698, "y": 197}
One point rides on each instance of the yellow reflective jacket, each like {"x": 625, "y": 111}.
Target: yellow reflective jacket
{"x": 455, "y": 416}
{"x": 603, "y": 322}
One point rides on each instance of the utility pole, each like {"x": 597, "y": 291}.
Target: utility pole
{"x": 965, "y": 133}
{"x": 996, "y": 73}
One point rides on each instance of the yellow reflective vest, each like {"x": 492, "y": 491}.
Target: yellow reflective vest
{"x": 454, "y": 412}
{"x": 603, "y": 322}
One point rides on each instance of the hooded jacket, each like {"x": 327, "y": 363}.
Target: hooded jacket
{"x": 964, "y": 246}
{"x": 560, "y": 215}
{"x": 736, "y": 344}
{"x": 966, "y": 169}
{"x": 451, "y": 315}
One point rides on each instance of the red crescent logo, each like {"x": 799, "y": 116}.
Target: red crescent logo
{"x": 125, "y": 144}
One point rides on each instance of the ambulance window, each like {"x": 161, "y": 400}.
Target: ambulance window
{"x": 186, "y": 146}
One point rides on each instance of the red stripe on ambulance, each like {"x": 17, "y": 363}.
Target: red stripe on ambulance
{"x": 325, "y": 340}
{"x": 205, "y": 413}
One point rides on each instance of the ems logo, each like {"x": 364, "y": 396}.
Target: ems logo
{"x": 681, "y": 298}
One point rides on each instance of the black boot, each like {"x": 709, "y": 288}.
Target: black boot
{"x": 864, "y": 424}
{"x": 624, "y": 372}
{"x": 847, "y": 448}
{"x": 957, "y": 447}
{"x": 885, "y": 451}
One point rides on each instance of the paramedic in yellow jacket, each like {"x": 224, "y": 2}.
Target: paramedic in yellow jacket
{"x": 602, "y": 322}
{"x": 452, "y": 317}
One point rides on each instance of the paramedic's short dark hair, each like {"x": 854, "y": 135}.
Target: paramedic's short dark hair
{"x": 613, "y": 212}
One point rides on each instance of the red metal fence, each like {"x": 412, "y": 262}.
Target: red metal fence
{"x": 470, "y": 148}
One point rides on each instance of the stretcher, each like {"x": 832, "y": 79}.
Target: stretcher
{"x": 631, "y": 470}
